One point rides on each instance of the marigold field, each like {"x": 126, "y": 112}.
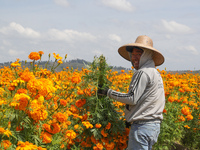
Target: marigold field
{"x": 41, "y": 109}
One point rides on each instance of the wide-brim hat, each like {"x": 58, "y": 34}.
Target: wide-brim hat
{"x": 143, "y": 42}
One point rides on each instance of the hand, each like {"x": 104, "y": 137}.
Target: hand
{"x": 102, "y": 90}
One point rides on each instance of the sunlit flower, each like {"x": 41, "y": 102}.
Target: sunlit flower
{"x": 34, "y": 56}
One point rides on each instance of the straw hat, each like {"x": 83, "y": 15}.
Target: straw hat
{"x": 143, "y": 42}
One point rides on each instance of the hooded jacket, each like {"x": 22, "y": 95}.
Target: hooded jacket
{"x": 146, "y": 97}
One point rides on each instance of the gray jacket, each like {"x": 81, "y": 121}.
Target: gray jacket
{"x": 146, "y": 98}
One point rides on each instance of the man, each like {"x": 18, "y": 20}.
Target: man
{"x": 145, "y": 100}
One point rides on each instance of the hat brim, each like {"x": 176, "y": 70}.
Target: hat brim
{"x": 157, "y": 56}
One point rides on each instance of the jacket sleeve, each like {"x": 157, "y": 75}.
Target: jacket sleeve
{"x": 137, "y": 88}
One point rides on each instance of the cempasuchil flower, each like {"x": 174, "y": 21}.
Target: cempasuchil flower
{"x": 34, "y": 56}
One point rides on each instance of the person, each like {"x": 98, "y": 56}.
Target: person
{"x": 145, "y": 100}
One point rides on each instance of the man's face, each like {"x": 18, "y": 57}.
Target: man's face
{"x": 135, "y": 57}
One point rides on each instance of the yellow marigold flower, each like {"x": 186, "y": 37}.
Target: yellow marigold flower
{"x": 57, "y": 56}
{"x": 189, "y": 117}
{"x": 34, "y": 56}
{"x": 76, "y": 126}
{"x": 60, "y": 61}
{"x": 70, "y": 134}
{"x": 2, "y": 102}
{"x": 6, "y": 144}
{"x": 15, "y": 64}
{"x": 87, "y": 124}
{"x": 8, "y": 133}
{"x": 25, "y": 146}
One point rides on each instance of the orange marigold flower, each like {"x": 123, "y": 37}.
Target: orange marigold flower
{"x": 37, "y": 111}
{"x": 19, "y": 91}
{"x": 60, "y": 117}
{"x": 70, "y": 134}
{"x": 22, "y": 101}
{"x": 6, "y": 144}
{"x": 189, "y": 117}
{"x": 164, "y": 111}
{"x": 171, "y": 99}
{"x": 185, "y": 110}
{"x": 110, "y": 146}
{"x": 76, "y": 78}
{"x": 41, "y": 52}
{"x": 98, "y": 146}
{"x": 79, "y": 103}
{"x": 181, "y": 118}
{"x": 34, "y": 56}
{"x": 63, "y": 102}
{"x": 53, "y": 128}
{"x": 26, "y": 76}
{"x": 19, "y": 128}
{"x": 108, "y": 126}
{"x": 46, "y": 137}
{"x": 103, "y": 133}
{"x": 98, "y": 125}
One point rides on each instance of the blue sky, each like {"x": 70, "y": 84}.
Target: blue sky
{"x": 84, "y": 29}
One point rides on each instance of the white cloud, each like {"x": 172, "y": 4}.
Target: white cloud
{"x": 14, "y": 27}
{"x": 70, "y": 35}
{"x": 123, "y": 5}
{"x": 192, "y": 49}
{"x": 114, "y": 37}
{"x": 62, "y": 3}
{"x": 175, "y": 27}
{"x": 15, "y": 52}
